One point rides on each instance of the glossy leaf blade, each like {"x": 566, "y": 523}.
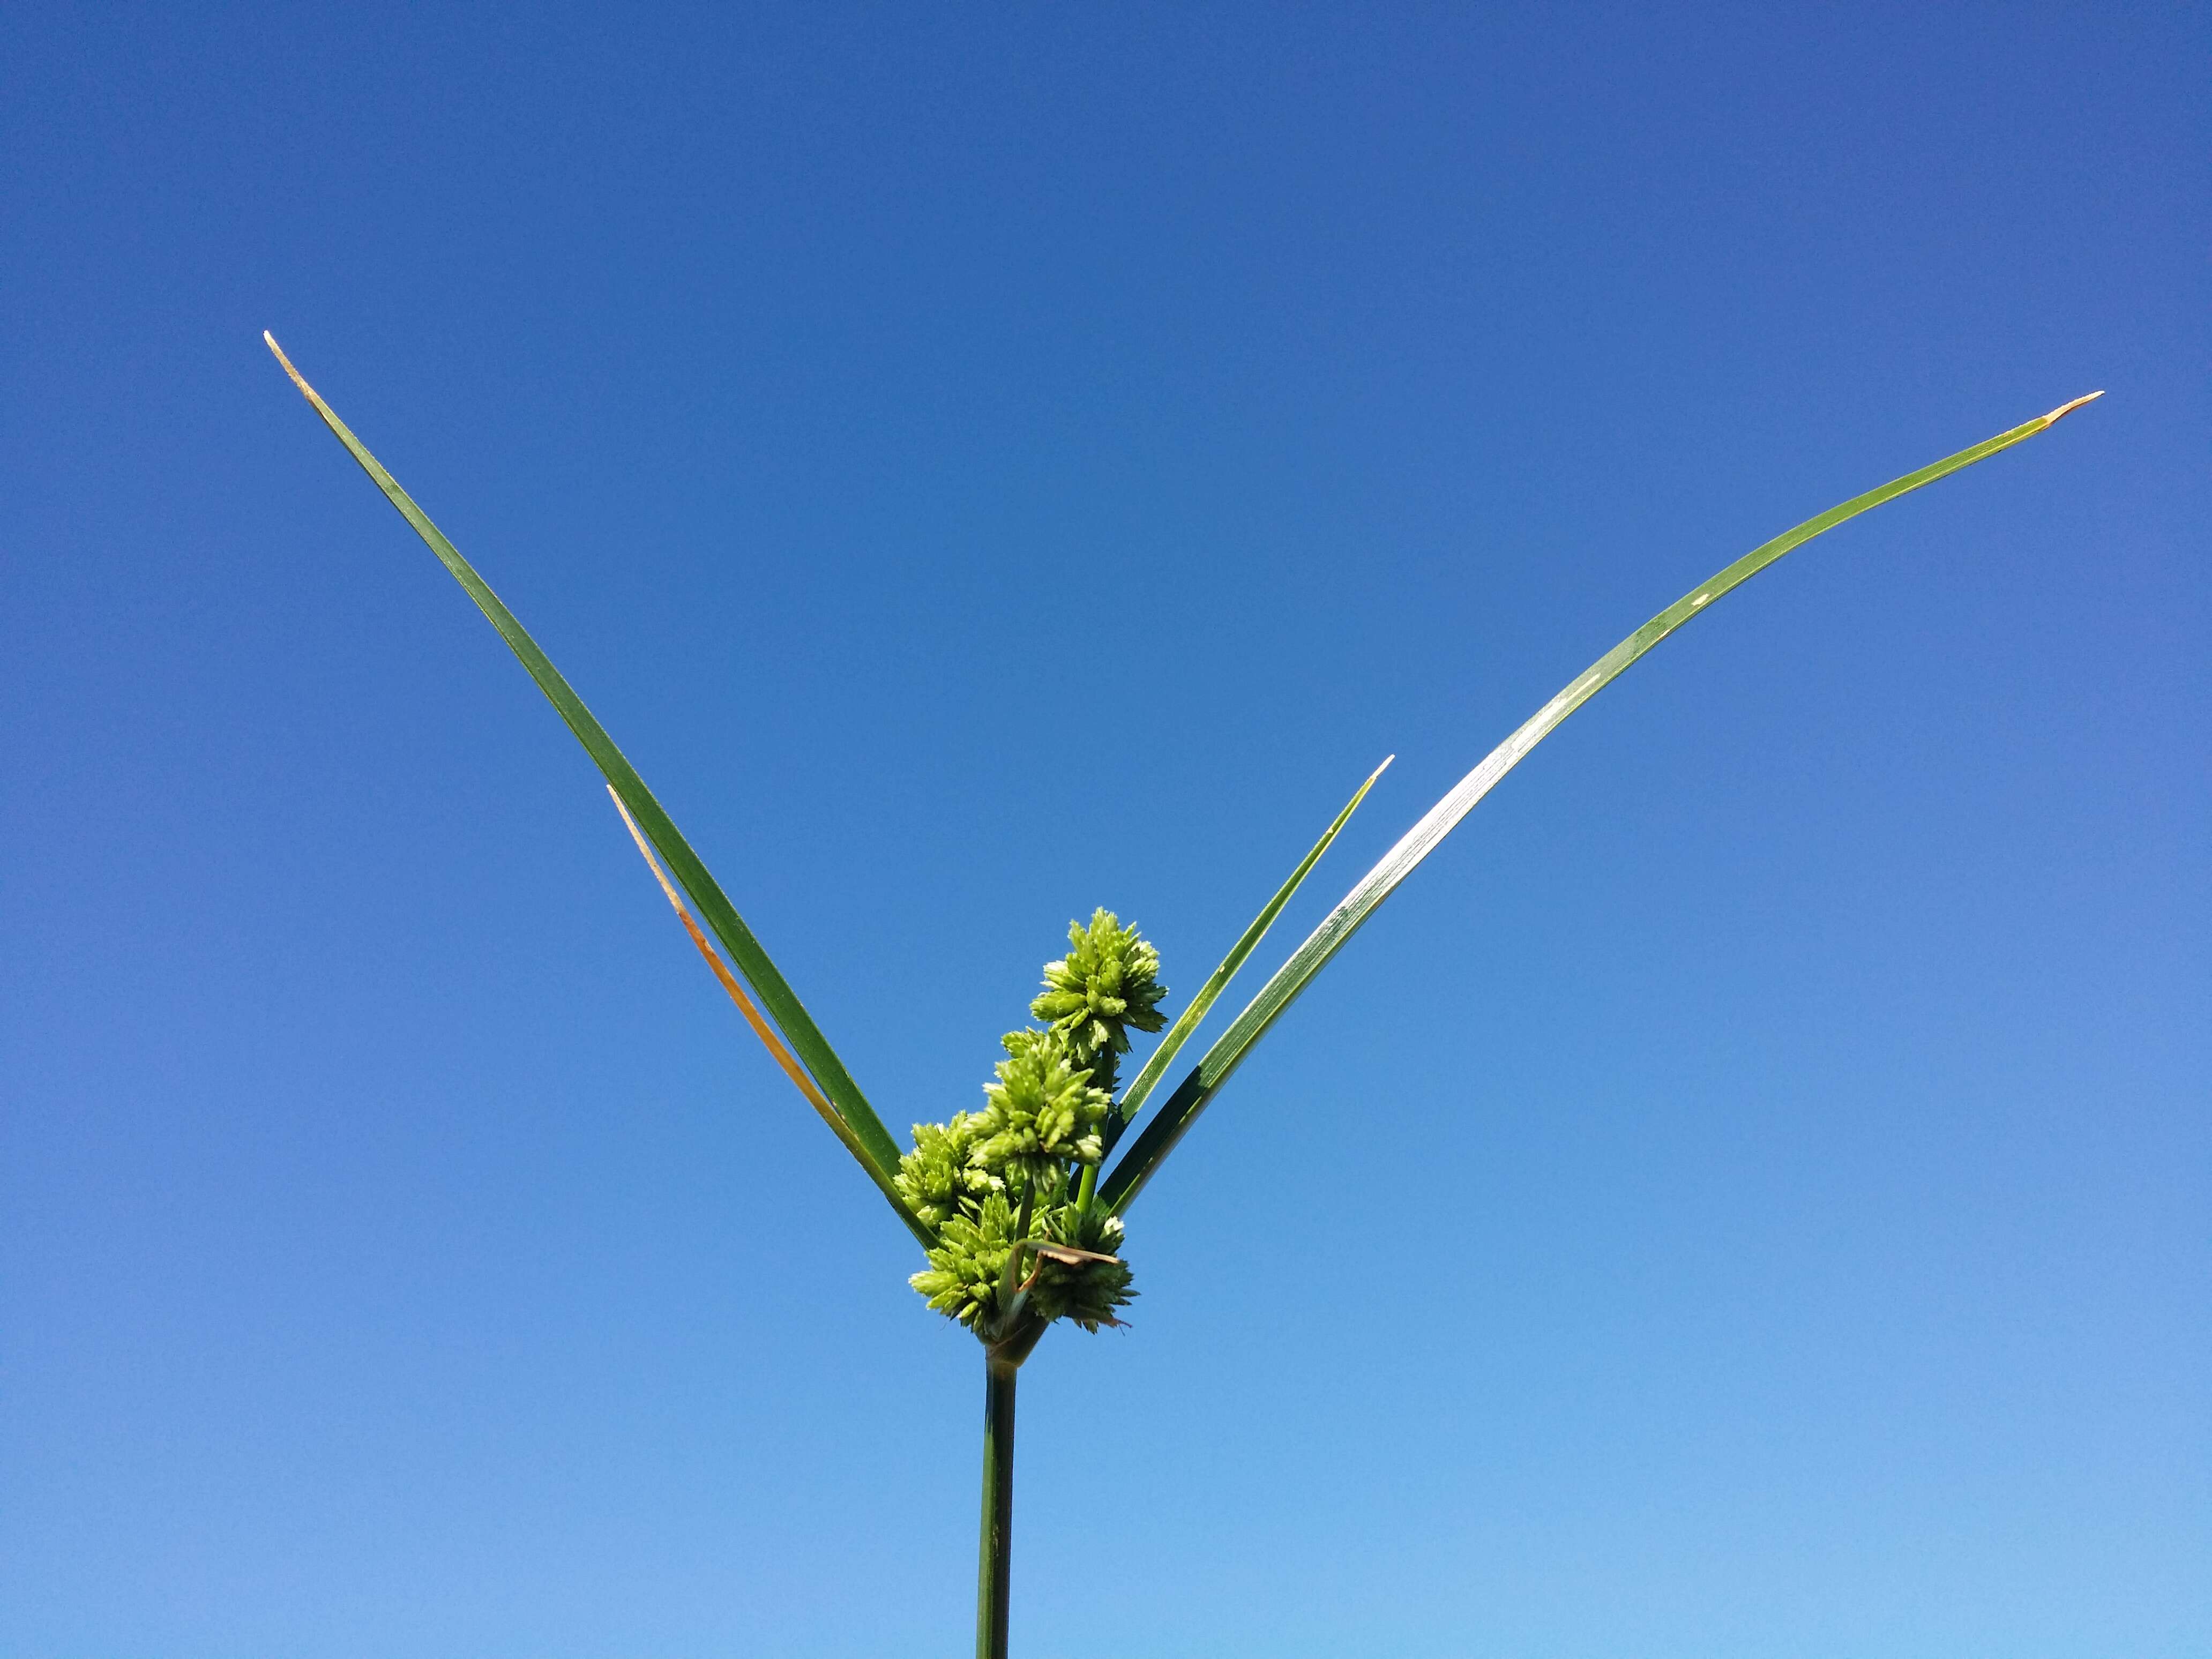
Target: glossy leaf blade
{"x": 782, "y": 1005}
{"x": 1173, "y": 1120}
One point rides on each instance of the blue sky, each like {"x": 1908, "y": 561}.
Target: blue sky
{"x": 1746, "y": 1195}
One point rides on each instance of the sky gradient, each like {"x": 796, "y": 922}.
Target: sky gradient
{"x": 1746, "y": 1195}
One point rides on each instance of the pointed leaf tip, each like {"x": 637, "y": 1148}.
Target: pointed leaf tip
{"x": 298, "y": 379}
{"x": 2065, "y": 409}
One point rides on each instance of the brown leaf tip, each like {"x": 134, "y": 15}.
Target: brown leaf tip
{"x": 2065, "y": 409}
{"x": 270, "y": 340}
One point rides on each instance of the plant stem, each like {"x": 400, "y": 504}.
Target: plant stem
{"x": 994, "y": 1563}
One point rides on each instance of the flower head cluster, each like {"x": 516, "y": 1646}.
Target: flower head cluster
{"x": 1001, "y": 1187}
{"x": 1076, "y": 1275}
{"x": 938, "y": 1176}
{"x": 1086, "y": 1291}
{"x": 1041, "y": 1112}
{"x": 1108, "y": 982}
{"x": 968, "y": 1265}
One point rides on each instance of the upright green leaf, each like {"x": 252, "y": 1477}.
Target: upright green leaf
{"x": 782, "y": 1005}
{"x": 1139, "y": 1091}
{"x": 1120, "y": 1189}
{"x": 1132, "y": 1102}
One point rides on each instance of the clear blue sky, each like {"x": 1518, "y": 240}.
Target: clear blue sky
{"x": 1745, "y": 1196}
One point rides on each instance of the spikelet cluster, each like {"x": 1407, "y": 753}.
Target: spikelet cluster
{"x": 939, "y": 1175}
{"x": 996, "y": 1184}
{"x": 1041, "y": 1112}
{"x": 1106, "y": 985}
{"x": 967, "y": 1277}
{"x": 1086, "y": 1293}
{"x": 968, "y": 1264}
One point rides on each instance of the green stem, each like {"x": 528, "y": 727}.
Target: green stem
{"x": 994, "y": 1566}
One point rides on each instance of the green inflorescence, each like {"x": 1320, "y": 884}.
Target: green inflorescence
{"x": 1107, "y": 985}
{"x": 1002, "y": 1186}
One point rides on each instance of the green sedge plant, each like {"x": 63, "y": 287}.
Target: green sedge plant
{"x": 1020, "y": 1207}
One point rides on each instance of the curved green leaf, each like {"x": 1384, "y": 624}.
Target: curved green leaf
{"x": 1120, "y": 1189}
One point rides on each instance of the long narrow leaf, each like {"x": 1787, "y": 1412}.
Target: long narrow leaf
{"x": 783, "y": 1006}
{"x": 1120, "y": 1189}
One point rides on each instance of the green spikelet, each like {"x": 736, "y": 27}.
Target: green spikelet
{"x": 1041, "y": 1113}
{"x": 937, "y": 1176}
{"x": 1000, "y": 1185}
{"x": 966, "y": 1276}
{"x": 1088, "y": 1292}
{"x": 1108, "y": 982}
{"x": 969, "y": 1261}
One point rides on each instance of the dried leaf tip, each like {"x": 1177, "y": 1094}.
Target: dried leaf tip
{"x": 270, "y": 340}
{"x": 2063, "y": 410}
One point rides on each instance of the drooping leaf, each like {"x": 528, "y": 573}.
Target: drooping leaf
{"x": 1120, "y": 1187}
{"x": 875, "y": 1146}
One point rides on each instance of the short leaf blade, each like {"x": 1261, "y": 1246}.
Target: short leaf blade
{"x": 1157, "y": 1065}
{"x": 1173, "y": 1120}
